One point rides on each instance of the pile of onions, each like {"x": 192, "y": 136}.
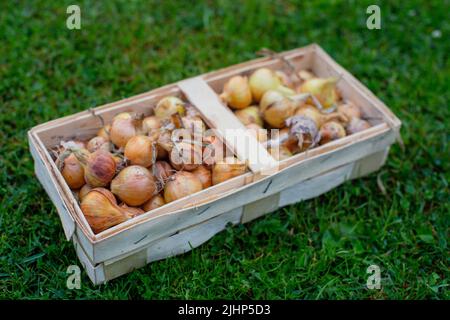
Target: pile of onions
{"x": 310, "y": 115}
{"x": 137, "y": 164}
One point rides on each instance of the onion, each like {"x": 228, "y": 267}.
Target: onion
{"x": 214, "y": 149}
{"x": 331, "y": 131}
{"x": 263, "y": 80}
{"x": 97, "y": 143}
{"x": 168, "y": 106}
{"x": 84, "y": 191}
{"x": 284, "y": 79}
{"x": 123, "y": 128}
{"x": 101, "y": 210}
{"x": 104, "y": 132}
{"x": 165, "y": 140}
{"x": 69, "y": 145}
{"x": 162, "y": 171}
{"x": 350, "y": 110}
{"x": 324, "y": 89}
{"x": 280, "y": 153}
{"x": 236, "y": 93}
{"x": 185, "y": 156}
{"x": 204, "y": 175}
{"x": 305, "y": 131}
{"x": 99, "y": 167}
{"x": 140, "y": 150}
{"x": 306, "y": 75}
{"x": 155, "y": 202}
{"x": 276, "y": 108}
{"x": 193, "y": 124}
{"x": 229, "y": 168}
{"x": 131, "y": 211}
{"x": 357, "y": 125}
{"x": 314, "y": 114}
{"x": 151, "y": 123}
{"x": 181, "y": 185}
{"x": 249, "y": 115}
{"x": 161, "y": 153}
{"x": 73, "y": 172}
{"x": 134, "y": 185}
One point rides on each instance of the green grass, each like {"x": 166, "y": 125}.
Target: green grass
{"x": 318, "y": 249}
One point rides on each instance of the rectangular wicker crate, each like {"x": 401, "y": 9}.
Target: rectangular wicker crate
{"x": 184, "y": 224}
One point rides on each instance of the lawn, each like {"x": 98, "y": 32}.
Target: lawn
{"x": 318, "y": 249}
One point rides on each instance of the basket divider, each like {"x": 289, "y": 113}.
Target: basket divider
{"x": 232, "y": 131}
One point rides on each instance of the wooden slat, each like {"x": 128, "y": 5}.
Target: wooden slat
{"x": 315, "y": 186}
{"x": 232, "y": 131}
{"x": 179, "y": 243}
{"x": 192, "y": 237}
{"x": 261, "y": 207}
{"x": 95, "y": 272}
{"x": 50, "y": 186}
{"x": 369, "y": 164}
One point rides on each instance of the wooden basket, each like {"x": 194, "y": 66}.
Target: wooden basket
{"x": 184, "y": 224}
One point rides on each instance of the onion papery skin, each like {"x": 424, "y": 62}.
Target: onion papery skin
{"x": 155, "y": 202}
{"x": 134, "y": 185}
{"x": 140, "y": 150}
{"x": 73, "y": 172}
{"x": 180, "y": 185}
{"x": 331, "y": 131}
{"x": 249, "y": 115}
{"x": 204, "y": 175}
{"x": 227, "y": 169}
{"x": 100, "y": 208}
{"x": 236, "y": 93}
{"x": 99, "y": 167}
{"x": 123, "y": 128}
